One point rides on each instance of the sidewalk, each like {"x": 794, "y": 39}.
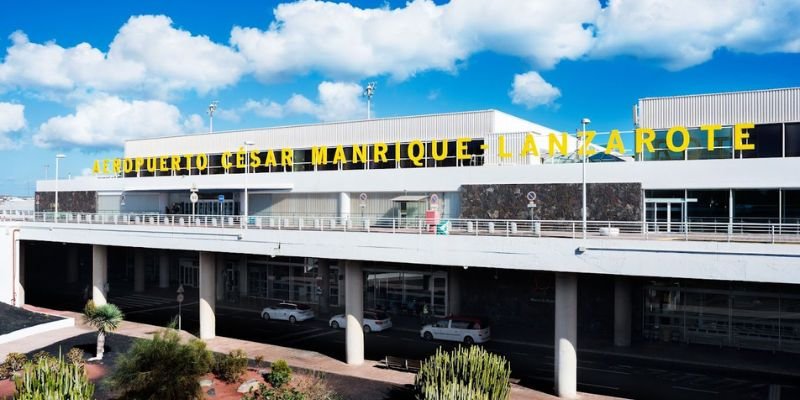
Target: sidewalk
{"x": 299, "y": 359}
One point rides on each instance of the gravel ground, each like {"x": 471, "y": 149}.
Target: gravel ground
{"x": 14, "y": 318}
{"x": 349, "y": 387}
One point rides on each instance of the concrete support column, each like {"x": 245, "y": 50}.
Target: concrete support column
{"x": 566, "y": 335}
{"x": 354, "y": 312}
{"x": 344, "y": 205}
{"x": 99, "y": 274}
{"x": 138, "y": 270}
{"x": 622, "y": 312}
{"x": 454, "y": 291}
{"x": 72, "y": 264}
{"x": 163, "y": 270}
{"x": 208, "y": 285}
{"x": 19, "y": 268}
{"x": 324, "y": 284}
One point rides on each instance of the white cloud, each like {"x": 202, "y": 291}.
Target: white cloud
{"x": 346, "y": 41}
{"x": 337, "y": 101}
{"x": 12, "y": 118}
{"x": 147, "y": 54}
{"x": 531, "y": 90}
{"x": 683, "y": 33}
{"x": 109, "y": 121}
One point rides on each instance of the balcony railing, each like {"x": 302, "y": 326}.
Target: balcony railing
{"x": 612, "y": 230}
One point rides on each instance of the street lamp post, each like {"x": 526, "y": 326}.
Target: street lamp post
{"x": 584, "y": 122}
{"x": 247, "y": 145}
{"x": 58, "y": 158}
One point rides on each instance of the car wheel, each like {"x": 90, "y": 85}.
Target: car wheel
{"x": 292, "y": 319}
{"x": 367, "y": 329}
{"x": 427, "y": 336}
{"x": 468, "y": 340}
{"x": 334, "y": 325}
{"x": 265, "y": 316}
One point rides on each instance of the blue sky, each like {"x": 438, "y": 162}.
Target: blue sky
{"x": 83, "y": 76}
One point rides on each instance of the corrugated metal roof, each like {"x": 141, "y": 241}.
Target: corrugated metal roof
{"x": 757, "y": 106}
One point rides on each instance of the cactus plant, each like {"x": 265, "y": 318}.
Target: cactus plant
{"x": 53, "y": 378}
{"x": 464, "y": 373}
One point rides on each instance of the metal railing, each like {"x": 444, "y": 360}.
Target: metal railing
{"x": 687, "y": 231}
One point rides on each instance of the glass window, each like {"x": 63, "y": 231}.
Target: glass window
{"x": 768, "y": 140}
{"x": 661, "y": 150}
{"x": 791, "y": 206}
{"x": 756, "y": 206}
{"x": 698, "y": 147}
{"x": 792, "y": 139}
{"x": 711, "y": 206}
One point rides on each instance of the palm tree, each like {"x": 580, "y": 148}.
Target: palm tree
{"x": 105, "y": 319}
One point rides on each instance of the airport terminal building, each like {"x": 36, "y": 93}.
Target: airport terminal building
{"x": 693, "y": 239}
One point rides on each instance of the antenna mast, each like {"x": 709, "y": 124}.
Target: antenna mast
{"x": 368, "y": 93}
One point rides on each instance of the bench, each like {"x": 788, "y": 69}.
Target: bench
{"x": 402, "y": 364}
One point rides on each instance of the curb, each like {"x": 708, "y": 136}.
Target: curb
{"x": 66, "y": 322}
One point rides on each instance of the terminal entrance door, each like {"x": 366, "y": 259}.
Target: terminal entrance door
{"x": 189, "y": 272}
{"x": 666, "y": 215}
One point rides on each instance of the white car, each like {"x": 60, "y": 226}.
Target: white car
{"x": 288, "y": 311}
{"x": 458, "y": 329}
{"x": 374, "y": 321}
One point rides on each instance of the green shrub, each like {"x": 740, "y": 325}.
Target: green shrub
{"x": 12, "y": 364}
{"x": 162, "y": 368}
{"x": 266, "y": 393}
{"x": 230, "y": 367}
{"x": 259, "y": 361}
{"x": 40, "y": 355}
{"x": 464, "y": 372}
{"x": 280, "y": 374}
{"x": 75, "y": 356}
{"x": 53, "y": 378}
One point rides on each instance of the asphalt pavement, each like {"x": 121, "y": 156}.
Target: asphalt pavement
{"x": 532, "y": 363}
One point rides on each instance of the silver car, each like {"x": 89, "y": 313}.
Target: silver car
{"x": 288, "y": 312}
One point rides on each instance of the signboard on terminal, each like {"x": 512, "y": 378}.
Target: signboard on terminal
{"x": 677, "y": 139}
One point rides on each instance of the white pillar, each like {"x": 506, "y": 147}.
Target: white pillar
{"x": 207, "y": 297}
{"x": 99, "y": 274}
{"x": 19, "y": 266}
{"x": 622, "y": 312}
{"x": 566, "y": 335}
{"x": 138, "y": 270}
{"x": 163, "y": 270}
{"x": 354, "y": 311}
{"x": 72, "y": 264}
{"x": 344, "y": 205}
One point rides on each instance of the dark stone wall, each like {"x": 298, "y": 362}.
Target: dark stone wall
{"x": 83, "y": 202}
{"x": 558, "y": 201}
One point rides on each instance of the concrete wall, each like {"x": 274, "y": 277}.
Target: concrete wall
{"x": 74, "y": 201}
{"x": 6, "y": 262}
{"x": 752, "y": 262}
{"x": 605, "y": 201}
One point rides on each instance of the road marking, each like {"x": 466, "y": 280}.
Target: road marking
{"x": 300, "y": 339}
{"x": 292, "y": 334}
{"x": 605, "y": 370}
{"x": 599, "y": 386}
{"x": 158, "y": 308}
{"x": 695, "y": 390}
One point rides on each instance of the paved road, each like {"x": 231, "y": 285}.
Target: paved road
{"x": 533, "y": 364}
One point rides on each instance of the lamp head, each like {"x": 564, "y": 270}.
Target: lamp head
{"x": 61, "y": 156}
{"x": 586, "y": 121}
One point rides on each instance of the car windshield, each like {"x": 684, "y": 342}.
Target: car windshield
{"x": 303, "y": 307}
{"x": 287, "y": 306}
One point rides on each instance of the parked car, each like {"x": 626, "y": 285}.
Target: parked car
{"x": 288, "y": 311}
{"x": 374, "y": 321}
{"x": 468, "y": 330}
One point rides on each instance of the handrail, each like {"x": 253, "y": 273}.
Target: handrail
{"x": 685, "y": 231}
